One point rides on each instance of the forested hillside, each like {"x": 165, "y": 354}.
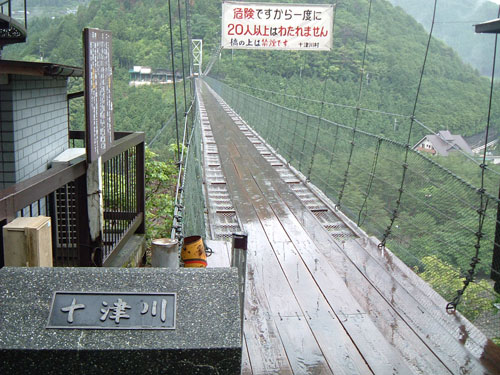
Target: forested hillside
{"x": 454, "y": 25}
{"x": 453, "y": 95}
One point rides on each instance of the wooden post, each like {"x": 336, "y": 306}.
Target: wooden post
{"x": 95, "y": 207}
{"x": 140, "y": 185}
{"x": 28, "y": 242}
{"x": 82, "y": 220}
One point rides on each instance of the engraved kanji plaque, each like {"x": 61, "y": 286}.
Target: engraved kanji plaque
{"x": 105, "y": 310}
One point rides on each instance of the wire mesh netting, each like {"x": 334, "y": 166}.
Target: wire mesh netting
{"x": 192, "y": 197}
{"x": 431, "y": 221}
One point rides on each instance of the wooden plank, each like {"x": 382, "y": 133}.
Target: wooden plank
{"x": 390, "y": 301}
{"x": 391, "y": 322}
{"x": 301, "y": 348}
{"x": 220, "y": 254}
{"x": 271, "y": 282}
{"x": 246, "y": 367}
{"x": 265, "y": 349}
{"x": 381, "y": 357}
{"x": 336, "y": 345}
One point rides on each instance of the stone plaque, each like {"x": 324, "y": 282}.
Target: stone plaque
{"x": 98, "y": 310}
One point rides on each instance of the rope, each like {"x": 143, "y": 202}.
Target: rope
{"x": 161, "y": 130}
{"x": 360, "y": 92}
{"x": 370, "y": 183}
{"x": 452, "y": 306}
{"x": 407, "y": 146}
{"x": 173, "y": 79}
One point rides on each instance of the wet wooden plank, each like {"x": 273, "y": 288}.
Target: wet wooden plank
{"x": 392, "y": 303}
{"x": 396, "y": 329}
{"x": 265, "y": 349}
{"x": 220, "y": 254}
{"x": 394, "y": 323}
{"x": 246, "y": 367}
{"x": 381, "y": 357}
{"x": 460, "y": 328}
{"x": 369, "y": 350}
{"x": 303, "y": 352}
{"x": 336, "y": 345}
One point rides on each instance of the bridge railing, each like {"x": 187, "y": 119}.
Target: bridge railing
{"x": 189, "y": 200}
{"x": 434, "y": 228}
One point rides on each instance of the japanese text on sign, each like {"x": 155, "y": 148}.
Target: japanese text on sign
{"x": 88, "y": 310}
{"x": 98, "y": 92}
{"x": 277, "y": 26}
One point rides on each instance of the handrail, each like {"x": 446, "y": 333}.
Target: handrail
{"x": 123, "y": 142}
{"x": 16, "y": 197}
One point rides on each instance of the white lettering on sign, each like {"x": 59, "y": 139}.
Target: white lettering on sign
{"x": 273, "y": 26}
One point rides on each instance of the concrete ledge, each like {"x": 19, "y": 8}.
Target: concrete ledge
{"x": 131, "y": 254}
{"x": 206, "y": 340}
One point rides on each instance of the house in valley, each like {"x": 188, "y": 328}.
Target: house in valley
{"x": 442, "y": 144}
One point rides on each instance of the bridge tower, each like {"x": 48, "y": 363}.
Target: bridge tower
{"x": 197, "y": 48}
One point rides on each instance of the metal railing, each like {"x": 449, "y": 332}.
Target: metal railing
{"x": 6, "y": 9}
{"x": 61, "y": 193}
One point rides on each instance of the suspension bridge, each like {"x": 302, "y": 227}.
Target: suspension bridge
{"x": 321, "y": 296}
{"x": 334, "y": 215}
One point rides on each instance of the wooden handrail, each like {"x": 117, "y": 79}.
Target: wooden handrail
{"x": 22, "y": 194}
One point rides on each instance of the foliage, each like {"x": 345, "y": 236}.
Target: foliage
{"x": 445, "y": 280}
{"x": 161, "y": 178}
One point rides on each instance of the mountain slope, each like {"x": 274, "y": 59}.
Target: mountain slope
{"x": 453, "y": 95}
{"x": 454, "y": 25}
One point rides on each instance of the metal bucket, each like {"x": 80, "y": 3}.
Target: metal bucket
{"x": 165, "y": 253}
{"x": 193, "y": 252}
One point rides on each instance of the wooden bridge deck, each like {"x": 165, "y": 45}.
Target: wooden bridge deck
{"x": 317, "y": 305}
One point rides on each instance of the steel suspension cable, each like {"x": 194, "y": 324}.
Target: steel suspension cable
{"x": 407, "y": 146}
{"x": 452, "y": 306}
{"x": 173, "y": 79}
{"x": 190, "y": 49}
{"x": 320, "y": 118}
{"x": 360, "y": 92}
{"x": 370, "y": 184}
{"x": 182, "y": 55}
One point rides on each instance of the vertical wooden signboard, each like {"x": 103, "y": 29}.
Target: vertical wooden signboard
{"x": 99, "y": 125}
{"x": 98, "y": 92}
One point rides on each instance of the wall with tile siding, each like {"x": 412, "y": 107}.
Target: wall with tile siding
{"x": 34, "y": 125}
